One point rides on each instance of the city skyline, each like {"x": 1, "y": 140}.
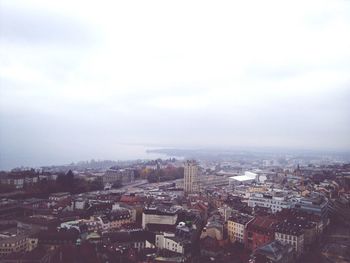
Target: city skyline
{"x": 187, "y": 131}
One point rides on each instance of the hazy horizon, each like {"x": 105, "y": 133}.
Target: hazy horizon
{"x": 133, "y": 152}
{"x": 78, "y": 79}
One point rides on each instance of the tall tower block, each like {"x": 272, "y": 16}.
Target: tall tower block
{"x": 190, "y": 177}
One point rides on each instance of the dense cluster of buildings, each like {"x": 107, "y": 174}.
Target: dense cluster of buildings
{"x": 216, "y": 212}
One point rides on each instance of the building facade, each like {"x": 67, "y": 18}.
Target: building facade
{"x": 317, "y": 205}
{"x": 276, "y": 202}
{"x": 236, "y": 226}
{"x": 190, "y": 177}
{"x": 121, "y": 176}
{"x": 18, "y": 243}
{"x": 170, "y": 242}
{"x": 118, "y": 218}
{"x": 158, "y": 216}
{"x": 292, "y": 234}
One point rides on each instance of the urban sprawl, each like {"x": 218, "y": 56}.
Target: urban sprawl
{"x": 276, "y": 210}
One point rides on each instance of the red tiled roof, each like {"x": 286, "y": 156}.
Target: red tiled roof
{"x": 263, "y": 222}
{"x": 129, "y": 199}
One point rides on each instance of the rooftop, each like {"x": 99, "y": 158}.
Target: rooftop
{"x": 265, "y": 223}
{"x": 246, "y": 177}
{"x": 274, "y": 250}
{"x": 240, "y": 218}
{"x": 292, "y": 227}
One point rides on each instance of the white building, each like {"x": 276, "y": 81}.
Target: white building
{"x": 170, "y": 242}
{"x": 79, "y": 203}
{"x": 247, "y": 178}
{"x": 276, "y": 201}
{"x": 153, "y": 215}
{"x": 262, "y": 178}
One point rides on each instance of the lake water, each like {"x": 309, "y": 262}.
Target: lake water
{"x": 46, "y": 156}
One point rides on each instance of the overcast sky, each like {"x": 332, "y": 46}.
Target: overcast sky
{"x": 79, "y": 78}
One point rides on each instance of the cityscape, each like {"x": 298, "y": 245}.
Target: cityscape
{"x": 194, "y": 131}
{"x": 285, "y": 209}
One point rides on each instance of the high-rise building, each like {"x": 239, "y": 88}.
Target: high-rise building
{"x": 190, "y": 177}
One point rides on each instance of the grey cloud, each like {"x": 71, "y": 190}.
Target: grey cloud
{"x": 34, "y": 27}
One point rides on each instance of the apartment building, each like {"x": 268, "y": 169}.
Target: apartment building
{"x": 276, "y": 201}
{"x": 236, "y": 226}
{"x": 289, "y": 232}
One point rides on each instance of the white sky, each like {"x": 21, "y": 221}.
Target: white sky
{"x": 80, "y": 77}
